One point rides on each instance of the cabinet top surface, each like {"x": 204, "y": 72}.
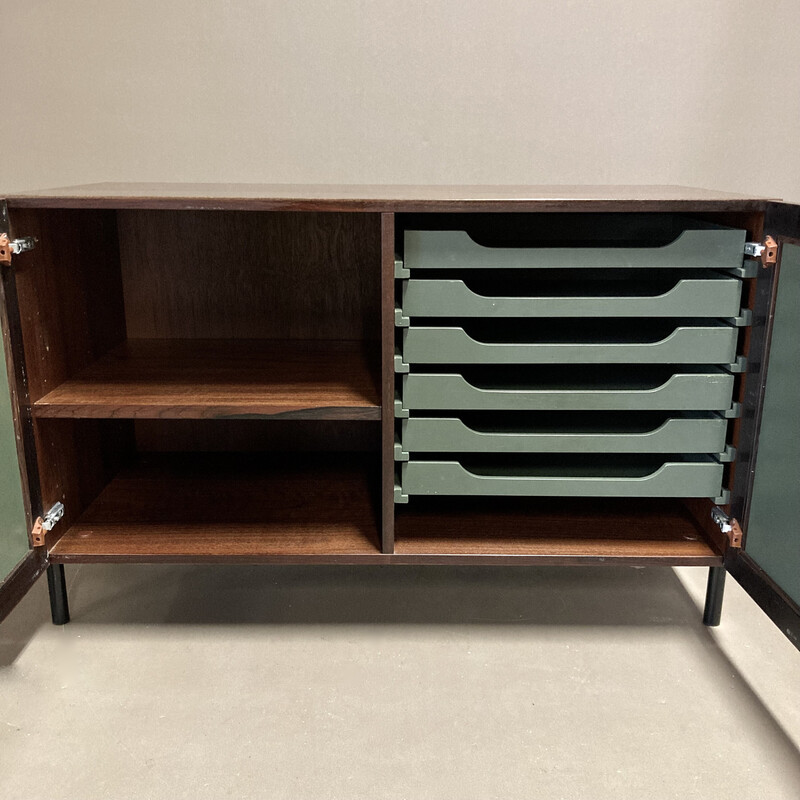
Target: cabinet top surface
{"x": 388, "y": 198}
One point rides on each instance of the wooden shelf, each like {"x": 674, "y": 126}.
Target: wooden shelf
{"x": 282, "y": 508}
{"x": 194, "y": 508}
{"x": 221, "y": 378}
{"x": 549, "y": 531}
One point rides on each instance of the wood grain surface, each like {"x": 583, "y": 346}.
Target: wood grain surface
{"x": 196, "y": 378}
{"x": 386, "y": 198}
{"x": 284, "y": 508}
{"x": 239, "y": 275}
{"x": 191, "y": 507}
{"x": 71, "y": 313}
{"x": 387, "y": 381}
{"x": 561, "y": 530}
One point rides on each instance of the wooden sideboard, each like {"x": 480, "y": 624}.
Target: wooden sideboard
{"x": 401, "y": 375}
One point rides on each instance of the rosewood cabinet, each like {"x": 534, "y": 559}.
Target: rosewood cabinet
{"x": 344, "y": 374}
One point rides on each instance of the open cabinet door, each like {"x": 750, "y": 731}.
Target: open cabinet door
{"x": 766, "y": 497}
{"x": 20, "y": 563}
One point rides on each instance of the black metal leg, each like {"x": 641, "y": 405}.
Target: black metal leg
{"x": 714, "y": 593}
{"x": 56, "y": 583}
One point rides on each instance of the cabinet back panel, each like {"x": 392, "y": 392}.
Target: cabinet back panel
{"x": 250, "y": 275}
{"x": 254, "y": 436}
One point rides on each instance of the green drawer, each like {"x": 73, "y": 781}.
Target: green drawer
{"x": 546, "y": 342}
{"x": 563, "y": 433}
{"x": 645, "y": 390}
{"x": 564, "y": 477}
{"x": 715, "y": 248}
{"x": 713, "y": 295}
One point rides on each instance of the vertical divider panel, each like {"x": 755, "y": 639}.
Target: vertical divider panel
{"x": 387, "y": 382}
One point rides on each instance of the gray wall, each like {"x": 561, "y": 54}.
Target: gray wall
{"x": 626, "y": 91}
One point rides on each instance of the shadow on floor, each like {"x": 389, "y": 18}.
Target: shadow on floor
{"x": 132, "y": 598}
{"x": 119, "y": 595}
{"x": 646, "y": 597}
{"x": 379, "y": 594}
{"x": 114, "y": 594}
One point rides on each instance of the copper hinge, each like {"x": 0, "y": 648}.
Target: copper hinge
{"x": 729, "y": 526}
{"x": 38, "y": 533}
{"x": 735, "y": 534}
{"x": 766, "y": 252}
{"x": 769, "y": 258}
{"x": 5, "y": 249}
{"x": 9, "y": 247}
{"x": 44, "y": 524}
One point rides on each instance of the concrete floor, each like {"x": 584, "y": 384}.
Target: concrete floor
{"x": 213, "y": 682}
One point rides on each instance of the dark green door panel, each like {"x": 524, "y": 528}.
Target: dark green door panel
{"x": 13, "y": 529}
{"x": 773, "y": 528}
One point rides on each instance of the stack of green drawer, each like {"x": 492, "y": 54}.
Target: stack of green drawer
{"x": 596, "y": 371}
